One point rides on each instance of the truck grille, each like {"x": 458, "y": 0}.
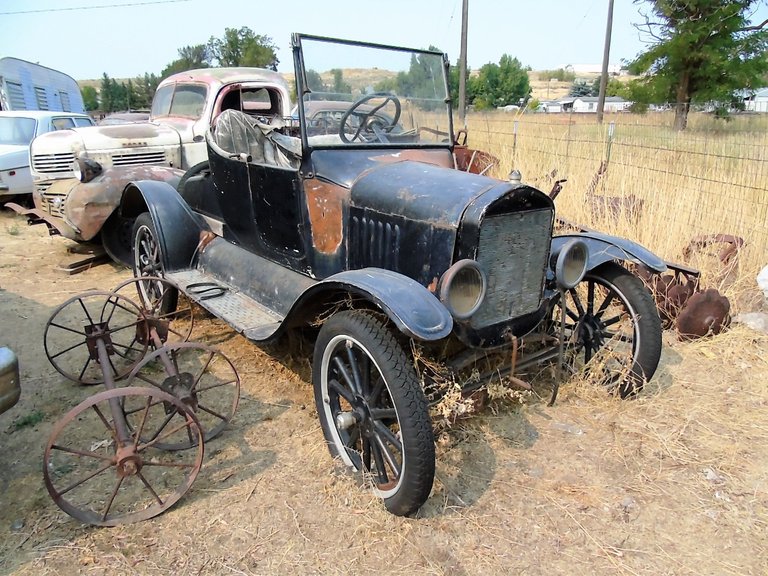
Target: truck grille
{"x": 53, "y": 203}
{"x": 43, "y": 185}
{"x": 53, "y": 163}
{"x": 138, "y": 158}
{"x": 513, "y": 251}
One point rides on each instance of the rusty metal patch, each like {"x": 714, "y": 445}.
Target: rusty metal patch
{"x": 325, "y": 202}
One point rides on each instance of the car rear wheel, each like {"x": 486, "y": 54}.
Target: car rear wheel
{"x": 372, "y": 408}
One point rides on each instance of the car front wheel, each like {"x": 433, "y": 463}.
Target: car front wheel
{"x": 372, "y": 408}
{"x": 613, "y": 328}
{"x": 148, "y": 262}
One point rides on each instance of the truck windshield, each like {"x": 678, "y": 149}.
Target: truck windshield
{"x": 185, "y": 100}
{"x": 358, "y": 94}
{"x": 17, "y": 130}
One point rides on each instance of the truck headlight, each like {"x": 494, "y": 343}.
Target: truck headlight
{"x": 571, "y": 264}
{"x": 462, "y": 289}
{"x": 86, "y": 169}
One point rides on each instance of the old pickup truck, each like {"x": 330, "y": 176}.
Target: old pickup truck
{"x": 79, "y": 174}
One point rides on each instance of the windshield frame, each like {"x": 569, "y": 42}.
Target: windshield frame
{"x": 303, "y": 89}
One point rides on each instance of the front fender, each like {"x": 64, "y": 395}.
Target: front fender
{"x": 176, "y": 225}
{"x": 415, "y": 310}
{"x": 89, "y": 204}
{"x": 605, "y": 248}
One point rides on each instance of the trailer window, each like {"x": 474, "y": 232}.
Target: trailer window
{"x": 66, "y": 106}
{"x": 42, "y": 98}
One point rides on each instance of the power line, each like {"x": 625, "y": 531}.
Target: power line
{"x": 93, "y": 7}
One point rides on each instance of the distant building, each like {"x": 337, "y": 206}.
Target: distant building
{"x": 756, "y": 101}
{"x": 551, "y": 106}
{"x": 588, "y": 104}
{"x": 614, "y": 69}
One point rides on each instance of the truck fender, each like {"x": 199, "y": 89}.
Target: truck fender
{"x": 415, "y": 311}
{"x": 176, "y": 225}
{"x": 605, "y": 248}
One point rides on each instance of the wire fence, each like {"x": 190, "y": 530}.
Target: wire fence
{"x": 710, "y": 179}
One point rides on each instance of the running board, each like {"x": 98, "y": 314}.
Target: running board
{"x": 250, "y": 318}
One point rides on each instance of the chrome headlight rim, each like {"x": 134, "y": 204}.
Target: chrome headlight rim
{"x": 86, "y": 169}
{"x": 448, "y": 285}
{"x": 571, "y": 264}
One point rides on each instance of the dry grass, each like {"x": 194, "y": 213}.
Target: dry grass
{"x": 711, "y": 179}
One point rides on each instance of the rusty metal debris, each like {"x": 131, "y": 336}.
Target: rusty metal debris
{"x": 469, "y": 160}
{"x": 117, "y": 457}
{"x": 705, "y": 313}
{"x": 681, "y": 302}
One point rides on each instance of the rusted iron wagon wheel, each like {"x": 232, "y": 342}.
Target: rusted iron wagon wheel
{"x": 86, "y": 318}
{"x": 171, "y": 316}
{"x": 201, "y": 377}
{"x": 101, "y": 475}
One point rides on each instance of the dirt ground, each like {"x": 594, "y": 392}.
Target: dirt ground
{"x": 673, "y": 482}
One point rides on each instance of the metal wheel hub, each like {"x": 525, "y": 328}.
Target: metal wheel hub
{"x": 590, "y": 332}
{"x": 180, "y": 386}
{"x": 129, "y": 463}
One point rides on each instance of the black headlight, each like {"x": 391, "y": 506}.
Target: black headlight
{"x": 86, "y": 169}
{"x": 462, "y": 289}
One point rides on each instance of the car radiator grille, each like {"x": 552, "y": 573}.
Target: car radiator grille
{"x": 53, "y": 163}
{"x": 374, "y": 243}
{"x": 513, "y": 252}
{"x": 138, "y": 158}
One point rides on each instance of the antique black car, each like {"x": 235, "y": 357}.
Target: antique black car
{"x": 372, "y": 238}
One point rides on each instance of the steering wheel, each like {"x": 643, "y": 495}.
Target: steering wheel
{"x": 369, "y": 122}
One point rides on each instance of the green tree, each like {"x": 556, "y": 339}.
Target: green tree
{"x": 582, "y": 88}
{"x": 90, "y": 98}
{"x": 190, "y": 57}
{"x": 144, "y": 90}
{"x": 500, "y": 84}
{"x": 108, "y": 94}
{"x": 701, "y": 51}
{"x": 424, "y": 80}
{"x": 339, "y": 85}
{"x": 242, "y": 47}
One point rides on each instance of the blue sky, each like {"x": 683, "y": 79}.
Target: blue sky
{"x": 126, "y": 41}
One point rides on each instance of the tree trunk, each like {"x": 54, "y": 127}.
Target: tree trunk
{"x": 683, "y": 104}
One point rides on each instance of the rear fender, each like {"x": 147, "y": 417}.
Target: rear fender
{"x": 415, "y": 311}
{"x": 605, "y": 248}
{"x": 177, "y": 226}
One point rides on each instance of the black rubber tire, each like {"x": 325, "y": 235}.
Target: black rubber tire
{"x": 116, "y": 237}
{"x": 145, "y": 264}
{"x": 398, "y": 398}
{"x": 636, "y": 302}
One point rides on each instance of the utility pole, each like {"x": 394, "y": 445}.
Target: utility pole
{"x": 463, "y": 65}
{"x": 606, "y": 56}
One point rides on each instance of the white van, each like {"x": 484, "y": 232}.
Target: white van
{"x": 28, "y": 86}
